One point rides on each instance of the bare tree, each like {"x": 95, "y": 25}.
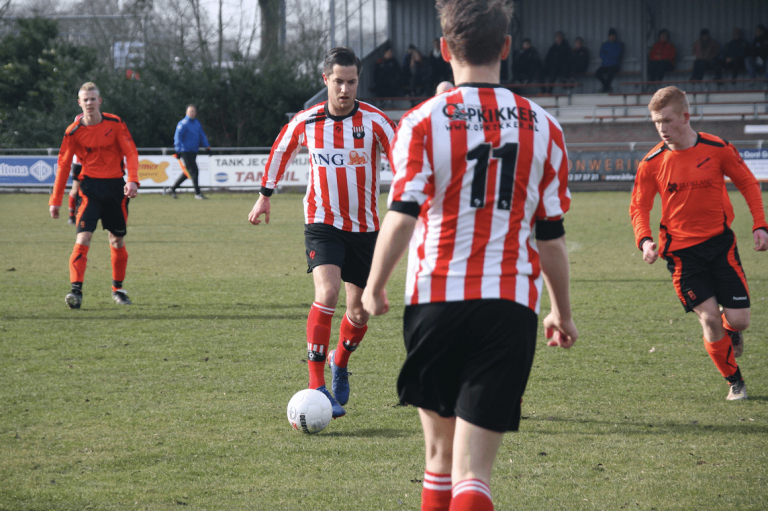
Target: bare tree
{"x": 199, "y": 16}
{"x": 308, "y": 33}
{"x": 270, "y": 27}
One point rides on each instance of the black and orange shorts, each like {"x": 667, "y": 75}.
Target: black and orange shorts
{"x": 711, "y": 268}
{"x": 105, "y": 200}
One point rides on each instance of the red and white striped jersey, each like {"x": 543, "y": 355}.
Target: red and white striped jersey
{"x": 484, "y": 165}
{"x": 344, "y": 160}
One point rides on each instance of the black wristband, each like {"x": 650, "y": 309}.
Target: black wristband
{"x": 549, "y": 229}
{"x": 266, "y": 192}
{"x": 410, "y": 208}
{"x": 640, "y": 245}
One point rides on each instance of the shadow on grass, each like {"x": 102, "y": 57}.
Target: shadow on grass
{"x": 372, "y": 433}
{"x": 661, "y": 428}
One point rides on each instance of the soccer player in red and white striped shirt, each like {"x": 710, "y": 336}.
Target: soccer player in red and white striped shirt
{"x": 346, "y": 140}
{"x": 483, "y": 173}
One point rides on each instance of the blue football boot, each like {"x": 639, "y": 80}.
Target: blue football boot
{"x": 340, "y": 383}
{"x": 338, "y": 410}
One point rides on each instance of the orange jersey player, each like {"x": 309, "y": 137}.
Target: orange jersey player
{"x": 104, "y": 147}
{"x": 688, "y": 169}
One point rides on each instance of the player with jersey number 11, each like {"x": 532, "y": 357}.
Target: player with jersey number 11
{"x": 481, "y": 179}
{"x": 346, "y": 139}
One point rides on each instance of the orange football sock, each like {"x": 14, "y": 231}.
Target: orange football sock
{"x": 77, "y": 262}
{"x": 318, "y": 339}
{"x": 72, "y": 204}
{"x": 119, "y": 258}
{"x": 350, "y": 335}
{"x": 721, "y": 353}
{"x": 436, "y": 495}
{"x": 471, "y": 495}
{"x": 727, "y": 325}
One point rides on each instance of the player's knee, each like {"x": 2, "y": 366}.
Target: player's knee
{"x": 738, "y": 322}
{"x": 357, "y": 314}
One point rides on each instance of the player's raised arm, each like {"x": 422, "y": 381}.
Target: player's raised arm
{"x": 735, "y": 168}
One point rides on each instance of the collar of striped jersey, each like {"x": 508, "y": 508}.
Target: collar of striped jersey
{"x": 480, "y": 85}
{"x": 338, "y": 118}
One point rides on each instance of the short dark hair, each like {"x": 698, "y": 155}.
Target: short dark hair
{"x": 341, "y": 56}
{"x": 664, "y": 31}
{"x": 475, "y": 30}
{"x": 612, "y": 31}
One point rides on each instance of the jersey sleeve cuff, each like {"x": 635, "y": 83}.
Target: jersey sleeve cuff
{"x": 266, "y": 192}
{"x": 410, "y": 208}
{"x": 549, "y": 229}
{"x": 647, "y": 238}
{"x": 759, "y": 228}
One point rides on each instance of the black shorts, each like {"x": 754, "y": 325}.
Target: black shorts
{"x": 350, "y": 251}
{"x": 469, "y": 359}
{"x": 105, "y": 200}
{"x": 711, "y": 268}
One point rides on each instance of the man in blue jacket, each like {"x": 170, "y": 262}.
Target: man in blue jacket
{"x": 187, "y": 140}
{"x": 610, "y": 53}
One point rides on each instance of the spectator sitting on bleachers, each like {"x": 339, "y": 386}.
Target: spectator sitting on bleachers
{"x": 526, "y": 64}
{"x": 757, "y": 63}
{"x": 735, "y": 53}
{"x": 661, "y": 58}
{"x": 579, "y": 57}
{"x": 705, "y": 51}
{"x": 386, "y": 76}
{"x": 558, "y": 61}
{"x": 439, "y": 70}
{"x": 611, "y": 52}
{"x": 417, "y": 75}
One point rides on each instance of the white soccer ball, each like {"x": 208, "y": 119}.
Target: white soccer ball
{"x": 309, "y": 411}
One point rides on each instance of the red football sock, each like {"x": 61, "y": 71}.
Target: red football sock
{"x": 471, "y": 495}
{"x": 77, "y": 262}
{"x": 119, "y": 262}
{"x": 72, "y": 204}
{"x": 350, "y": 335}
{"x": 721, "y": 353}
{"x": 318, "y": 338}
{"x": 436, "y": 495}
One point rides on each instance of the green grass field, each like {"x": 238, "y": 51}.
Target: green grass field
{"x": 178, "y": 401}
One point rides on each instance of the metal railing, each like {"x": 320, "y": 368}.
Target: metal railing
{"x": 52, "y": 151}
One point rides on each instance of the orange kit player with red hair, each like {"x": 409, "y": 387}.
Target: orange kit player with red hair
{"x": 688, "y": 169}
{"x": 100, "y": 141}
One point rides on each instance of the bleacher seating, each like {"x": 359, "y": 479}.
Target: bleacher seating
{"x": 585, "y": 108}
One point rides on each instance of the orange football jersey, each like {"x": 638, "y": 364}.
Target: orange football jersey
{"x": 694, "y": 200}
{"x": 100, "y": 149}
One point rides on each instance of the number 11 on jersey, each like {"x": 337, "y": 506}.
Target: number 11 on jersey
{"x": 507, "y": 155}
